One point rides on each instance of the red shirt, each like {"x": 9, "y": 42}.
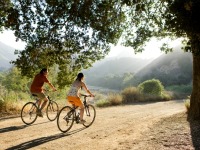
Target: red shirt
{"x": 38, "y": 82}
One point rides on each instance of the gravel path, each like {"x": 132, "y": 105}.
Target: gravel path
{"x": 138, "y": 126}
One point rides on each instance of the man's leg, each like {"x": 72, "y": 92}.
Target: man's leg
{"x": 43, "y": 98}
{"x": 44, "y": 103}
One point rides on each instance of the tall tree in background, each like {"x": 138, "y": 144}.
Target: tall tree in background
{"x": 58, "y": 30}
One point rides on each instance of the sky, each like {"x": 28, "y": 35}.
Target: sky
{"x": 152, "y": 49}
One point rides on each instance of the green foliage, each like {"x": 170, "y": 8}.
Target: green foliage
{"x": 4, "y": 7}
{"x": 71, "y": 34}
{"x": 153, "y": 87}
{"x": 12, "y": 80}
{"x": 187, "y": 89}
{"x": 11, "y": 101}
{"x": 102, "y": 103}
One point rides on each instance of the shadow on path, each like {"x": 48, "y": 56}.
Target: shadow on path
{"x": 14, "y": 128}
{"x": 42, "y": 140}
{"x": 195, "y": 133}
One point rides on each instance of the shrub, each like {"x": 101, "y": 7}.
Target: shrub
{"x": 130, "y": 94}
{"x": 152, "y": 87}
{"x": 187, "y": 104}
{"x": 114, "y": 99}
{"x": 102, "y": 103}
{"x": 180, "y": 91}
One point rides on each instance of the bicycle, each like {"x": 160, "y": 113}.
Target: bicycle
{"x": 68, "y": 115}
{"x": 29, "y": 111}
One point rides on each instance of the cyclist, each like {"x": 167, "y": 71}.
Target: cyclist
{"x": 36, "y": 89}
{"x": 74, "y": 96}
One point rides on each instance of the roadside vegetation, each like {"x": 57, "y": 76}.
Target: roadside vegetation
{"x": 148, "y": 91}
{"x": 14, "y": 93}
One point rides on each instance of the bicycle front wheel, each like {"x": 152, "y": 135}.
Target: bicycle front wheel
{"x": 52, "y": 110}
{"x": 89, "y": 115}
{"x": 65, "y": 119}
{"x": 29, "y": 113}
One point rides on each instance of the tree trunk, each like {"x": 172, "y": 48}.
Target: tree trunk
{"x": 194, "y": 112}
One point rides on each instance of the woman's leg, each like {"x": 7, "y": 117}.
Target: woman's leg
{"x": 81, "y": 112}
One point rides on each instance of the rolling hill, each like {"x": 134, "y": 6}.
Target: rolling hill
{"x": 6, "y": 55}
{"x": 174, "y": 68}
{"x": 117, "y": 66}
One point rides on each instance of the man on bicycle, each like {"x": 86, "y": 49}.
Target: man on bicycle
{"x": 36, "y": 89}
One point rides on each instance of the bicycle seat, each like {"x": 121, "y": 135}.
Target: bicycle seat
{"x": 34, "y": 95}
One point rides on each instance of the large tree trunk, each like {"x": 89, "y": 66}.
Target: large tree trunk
{"x": 194, "y": 112}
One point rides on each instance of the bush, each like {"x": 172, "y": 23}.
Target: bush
{"x": 151, "y": 87}
{"x": 187, "y": 104}
{"x": 180, "y": 91}
{"x": 114, "y": 99}
{"x": 102, "y": 103}
{"x": 130, "y": 94}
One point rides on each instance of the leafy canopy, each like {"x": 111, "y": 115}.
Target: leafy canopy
{"x": 74, "y": 34}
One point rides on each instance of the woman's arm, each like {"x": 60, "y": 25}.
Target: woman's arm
{"x": 86, "y": 89}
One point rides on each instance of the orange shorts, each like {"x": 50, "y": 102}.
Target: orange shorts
{"x": 75, "y": 101}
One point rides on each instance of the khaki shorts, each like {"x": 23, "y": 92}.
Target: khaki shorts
{"x": 75, "y": 101}
{"x": 40, "y": 95}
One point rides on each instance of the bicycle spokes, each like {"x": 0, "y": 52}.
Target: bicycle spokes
{"x": 65, "y": 119}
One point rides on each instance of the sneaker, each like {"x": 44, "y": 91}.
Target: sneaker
{"x": 39, "y": 113}
{"x": 82, "y": 121}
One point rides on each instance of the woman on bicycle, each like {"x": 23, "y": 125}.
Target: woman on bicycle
{"x": 74, "y": 96}
{"x": 36, "y": 89}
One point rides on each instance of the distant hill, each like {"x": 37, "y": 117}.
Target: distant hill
{"x": 6, "y": 55}
{"x": 116, "y": 66}
{"x": 174, "y": 68}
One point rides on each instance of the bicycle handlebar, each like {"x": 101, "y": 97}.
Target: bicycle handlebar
{"x": 84, "y": 95}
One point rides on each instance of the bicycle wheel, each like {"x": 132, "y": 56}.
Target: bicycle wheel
{"x": 29, "y": 113}
{"x": 65, "y": 119}
{"x": 89, "y": 115}
{"x": 52, "y": 110}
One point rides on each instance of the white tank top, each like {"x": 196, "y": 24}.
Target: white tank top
{"x": 74, "y": 90}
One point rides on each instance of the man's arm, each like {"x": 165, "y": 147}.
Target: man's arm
{"x": 54, "y": 89}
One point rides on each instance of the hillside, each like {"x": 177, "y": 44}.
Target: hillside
{"x": 174, "y": 68}
{"x": 116, "y": 66}
{"x": 6, "y": 55}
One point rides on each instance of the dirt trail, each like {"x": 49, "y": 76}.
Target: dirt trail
{"x": 114, "y": 128}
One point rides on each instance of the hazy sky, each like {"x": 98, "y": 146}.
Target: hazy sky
{"x": 152, "y": 50}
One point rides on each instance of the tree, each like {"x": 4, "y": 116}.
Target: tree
{"x": 4, "y": 7}
{"x": 58, "y": 30}
{"x": 168, "y": 18}
{"x": 72, "y": 34}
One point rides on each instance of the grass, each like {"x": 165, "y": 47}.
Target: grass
{"x": 187, "y": 104}
{"x": 129, "y": 95}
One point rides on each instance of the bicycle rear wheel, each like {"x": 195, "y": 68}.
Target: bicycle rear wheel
{"x": 65, "y": 119}
{"x": 89, "y": 115}
{"x": 29, "y": 113}
{"x": 52, "y": 110}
